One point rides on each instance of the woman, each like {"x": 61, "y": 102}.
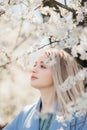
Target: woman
{"x": 58, "y": 95}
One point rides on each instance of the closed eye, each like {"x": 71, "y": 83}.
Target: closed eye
{"x": 42, "y": 66}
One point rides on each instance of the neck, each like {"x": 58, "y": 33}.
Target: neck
{"x": 49, "y": 98}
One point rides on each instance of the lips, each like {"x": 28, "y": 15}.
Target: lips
{"x": 33, "y": 77}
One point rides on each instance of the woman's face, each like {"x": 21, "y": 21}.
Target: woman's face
{"x": 41, "y": 76}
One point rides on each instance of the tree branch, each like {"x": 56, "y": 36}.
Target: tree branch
{"x": 65, "y": 2}
{"x": 83, "y": 1}
{"x": 53, "y": 3}
{"x": 2, "y": 12}
{"x": 39, "y": 48}
{"x": 19, "y": 34}
{"x": 8, "y": 1}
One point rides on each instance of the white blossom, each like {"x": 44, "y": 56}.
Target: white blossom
{"x": 68, "y": 84}
{"x": 37, "y": 17}
{"x": 50, "y": 61}
{"x": 81, "y": 75}
{"x": 22, "y": 26}
{"x": 71, "y": 80}
{"x": 74, "y": 3}
{"x": 60, "y": 118}
{"x": 61, "y": 128}
{"x": 45, "y": 10}
{"x": 80, "y": 16}
{"x": 41, "y": 115}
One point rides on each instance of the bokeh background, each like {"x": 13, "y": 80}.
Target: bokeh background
{"x": 26, "y": 25}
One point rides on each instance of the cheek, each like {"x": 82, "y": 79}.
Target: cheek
{"x": 46, "y": 78}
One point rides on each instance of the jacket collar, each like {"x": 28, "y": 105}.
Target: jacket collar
{"x": 34, "y": 122}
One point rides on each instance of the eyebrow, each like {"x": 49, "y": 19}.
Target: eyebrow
{"x": 40, "y": 62}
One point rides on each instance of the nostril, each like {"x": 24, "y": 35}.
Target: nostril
{"x": 33, "y": 71}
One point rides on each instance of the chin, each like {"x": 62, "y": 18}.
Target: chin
{"x": 34, "y": 85}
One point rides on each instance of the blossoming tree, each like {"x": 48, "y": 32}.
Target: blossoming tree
{"x": 27, "y": 27}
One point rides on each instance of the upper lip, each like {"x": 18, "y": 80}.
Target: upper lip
{"x": 34, "y": 77}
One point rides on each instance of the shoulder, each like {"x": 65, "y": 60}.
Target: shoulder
{"x": 17, "y": 123}
{"x": 27, "y": 110}
{"x": 79, "y": 122}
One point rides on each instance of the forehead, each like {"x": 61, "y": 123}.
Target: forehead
{"x": 41, "y": 59}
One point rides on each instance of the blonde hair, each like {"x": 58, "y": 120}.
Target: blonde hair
{"x": 64, "y": 67}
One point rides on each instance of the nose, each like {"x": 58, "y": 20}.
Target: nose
{"x": 34, "y": 70}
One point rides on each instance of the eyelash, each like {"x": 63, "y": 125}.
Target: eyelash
{"x": 42, "y": 66}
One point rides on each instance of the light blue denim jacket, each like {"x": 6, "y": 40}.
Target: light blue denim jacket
{"x": 26, "y": 120}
